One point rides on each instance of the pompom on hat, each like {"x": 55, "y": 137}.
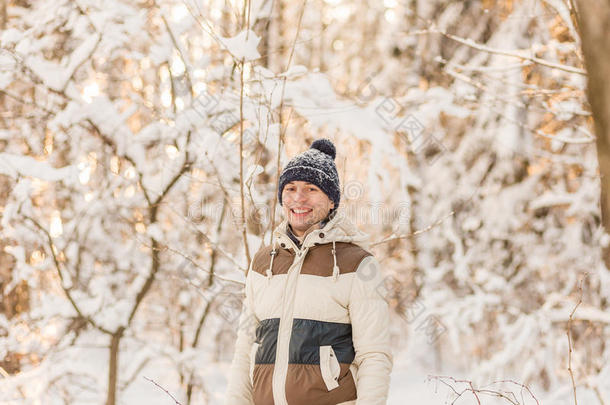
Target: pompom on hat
{"x": 317, "y": 166}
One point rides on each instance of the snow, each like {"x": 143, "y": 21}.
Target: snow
{"x": 10, "y": 37}
{"x": 56, "y": 76}
{"x": 7, "y": 66}
{"x": 294, "y": 72}
{"x": 550, "y": 199}
{"x": 242, "y": 46}
{"x": 260, "y": 9}
{"x": 13, "y": 165}
{"x": 497, "y": 227}
{"x": 411, "y": 382}
{"x": 155, "y": 231}
{"x": 252, "y": 172}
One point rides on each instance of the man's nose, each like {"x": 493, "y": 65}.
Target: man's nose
{"x": 300, "y": 195}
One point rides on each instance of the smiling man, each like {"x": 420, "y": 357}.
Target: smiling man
{"x": 308, "y": 189}
{"x": 314, "y": 329}
{"x": 305, "y": 205}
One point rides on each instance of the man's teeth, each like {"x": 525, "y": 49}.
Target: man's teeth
{"x": 296, "y": 211}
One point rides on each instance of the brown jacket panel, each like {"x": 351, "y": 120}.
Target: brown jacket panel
{"x": 318, "y": 262}
{"x": 305, "y": 386}
{"x": 281, "y": 263}
{"x": 262, "y": 387}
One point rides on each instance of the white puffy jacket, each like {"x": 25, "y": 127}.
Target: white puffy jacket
{"x": 314, "y": 328}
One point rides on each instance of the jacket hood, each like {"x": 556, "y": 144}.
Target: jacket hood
{"x": 338, "y": 229}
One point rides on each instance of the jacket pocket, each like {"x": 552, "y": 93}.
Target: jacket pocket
{"x": 329, "y": 366}
{"x": 252, "y": 360}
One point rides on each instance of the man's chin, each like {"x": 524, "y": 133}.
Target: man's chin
{"x": 302, "y": 226}
{"x": 301, "y": 221}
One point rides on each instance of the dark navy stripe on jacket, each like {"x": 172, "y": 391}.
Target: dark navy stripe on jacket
{"x": 307, "y": 337}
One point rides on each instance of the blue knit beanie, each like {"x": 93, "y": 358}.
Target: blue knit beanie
{"x": 317, "y": 166}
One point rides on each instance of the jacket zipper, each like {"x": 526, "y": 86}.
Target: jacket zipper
{"x": 285, "y": 329}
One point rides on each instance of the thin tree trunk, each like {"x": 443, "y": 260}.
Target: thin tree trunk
{"x": 280, "y": 47}
{"x": 593, "y": 22}
{"x": 322, "y": 39}
{"x": 3, "y": 21}
{"x": 113, "y": 366}
{"x": 3, "y": 14}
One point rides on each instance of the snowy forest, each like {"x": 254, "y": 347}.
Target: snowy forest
{"x": 140, "y": 148}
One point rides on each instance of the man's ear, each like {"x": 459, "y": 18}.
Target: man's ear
{"x": 332, "y": 204}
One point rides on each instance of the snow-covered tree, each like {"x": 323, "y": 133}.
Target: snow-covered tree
{"x": 139, "y": 152}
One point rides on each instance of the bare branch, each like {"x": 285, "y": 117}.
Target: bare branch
{"x": 181, "y": 53}
{"x": 569, "y": 333}
{"x": 508, "y": 396}
{"x": 163, "y": 389}
{"x": 155, "y": 249}
{"x": 520, "y": 54}
{"x": 110, "y": 143}
{"x": 391, "y": 238}
{"x": 583, "y": 140}
{"x": 65, "y": 289}
{"x": 241, "y": 162}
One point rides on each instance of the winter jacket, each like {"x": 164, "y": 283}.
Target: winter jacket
{"x": 314, "y": 328}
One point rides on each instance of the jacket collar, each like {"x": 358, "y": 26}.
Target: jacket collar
{"x": 338, "y": 229}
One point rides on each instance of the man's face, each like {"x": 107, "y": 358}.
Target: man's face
{"x": 304, "y": 204}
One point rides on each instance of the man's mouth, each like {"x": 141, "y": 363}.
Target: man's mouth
{"x": 300, "y": 211}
